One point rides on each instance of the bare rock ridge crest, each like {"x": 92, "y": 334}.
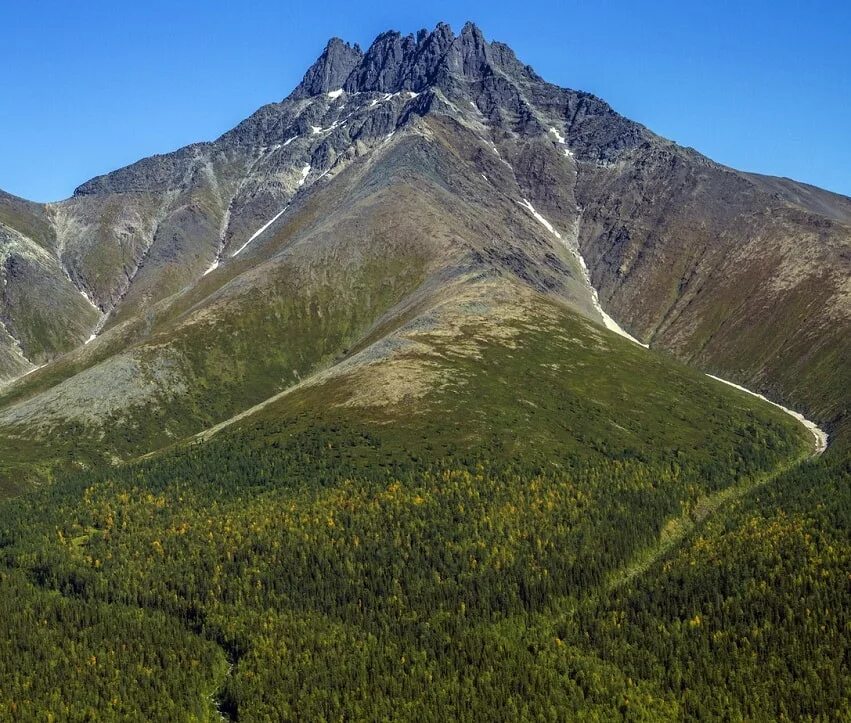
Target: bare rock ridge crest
{"x": 494, "y": 174}
{"x": 396, "y": 63}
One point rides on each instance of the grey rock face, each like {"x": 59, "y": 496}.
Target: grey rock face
{"x": 158, "y": 173}
{"x": 384, "y": 66}
{"x": 465, "y": 69}
{"x": 396, "y": 63}
{"x": 330, "y": 71}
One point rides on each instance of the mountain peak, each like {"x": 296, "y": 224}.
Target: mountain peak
{"x": 470, "y": 29}
{"x": 331, "y": 69}
{"x": 396, "y": 62}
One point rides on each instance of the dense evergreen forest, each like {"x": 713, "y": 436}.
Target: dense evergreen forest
{"x": 615, "y": 543}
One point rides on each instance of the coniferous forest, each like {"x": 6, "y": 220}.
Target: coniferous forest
{"x": 499, "y": 551}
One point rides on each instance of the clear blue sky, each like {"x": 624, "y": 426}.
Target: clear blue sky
{"x": 91, "y": 86}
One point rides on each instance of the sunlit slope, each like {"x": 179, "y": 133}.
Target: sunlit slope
{"x": 740, "y": 275}
{"x": 349, "y": 443}
{"x": 390, "y": 234}
{"x": 42, "y": 312}
{"x": 436, "y": 497}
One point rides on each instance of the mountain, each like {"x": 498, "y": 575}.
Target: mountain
{"x": 348, "y": 380}
{"x": 738, "y": 274}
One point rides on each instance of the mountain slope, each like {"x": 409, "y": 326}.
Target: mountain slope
{"x": 689, "y": 255}
{"x": 748, "y": 279}
{"x": 403, "y": 232}
{"x": 42, "y": 312}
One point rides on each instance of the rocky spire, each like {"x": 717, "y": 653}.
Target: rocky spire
{"x": 331, "y": 69}
{"x": 473, "y": 51}
{"x": 385, "y": 64}
{"x": 396, "y": 62}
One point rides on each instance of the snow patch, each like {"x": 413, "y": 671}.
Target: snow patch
{"x": 214, "y": 266}
{"x": 412, "y": 95}
{"x": 260, "y": 230}
{"x": 546, "y": 224}
{"x": 387, "y": 96}
{"x": 562, "y": 141}
{"x": 496, "y": 151}
{"x": 335, "y": 93}
{"x": 559, "y": 137}
{"x": 91, "y": 338}
{"x": 88, "y": 298}
{"x": 304, "y": 173}
{"x": 819, "y": 434}
{"x": 336, "y": 124}
{"x": 612, "y": 325}
{"x": 608, "y": 321}
{"x": 288, "y": 141}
